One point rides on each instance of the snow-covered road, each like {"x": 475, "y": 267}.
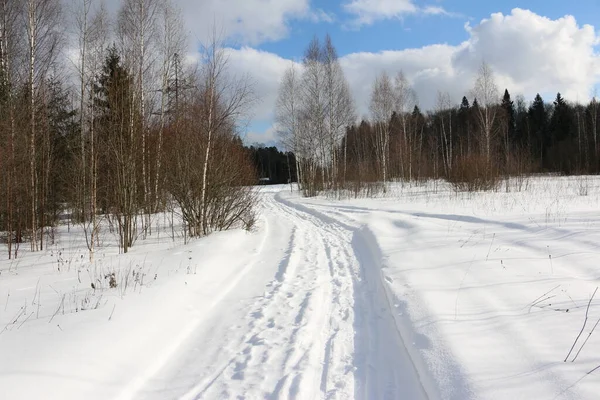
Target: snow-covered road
{"x": 323, "y": 328}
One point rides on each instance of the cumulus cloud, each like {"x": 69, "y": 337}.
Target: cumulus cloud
{"x": 527, "y": 52}
{"x": 248, "y": 22}
{"x": 264, "y": 70}
{"x": 268, "y": 137}
{"x": 428, "y": 69}
{"x": 532, "y": 53}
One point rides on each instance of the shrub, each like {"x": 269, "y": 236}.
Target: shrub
{"x": 474, "y": 173}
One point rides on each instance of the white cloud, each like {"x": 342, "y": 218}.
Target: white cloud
{"x": 528, "y": 53}
{"x": 531, "y": 53}
{"x": 247, "y": 21}
{"x": 366, "y": 12}
{"x": 428, "y": 69}
{"x": 320, "y": 15}
{"x": 435, "y": 10}
{"x": 264, "y": 70}
{"x": 268, "y": 137}
{"x": 369, "y": 11}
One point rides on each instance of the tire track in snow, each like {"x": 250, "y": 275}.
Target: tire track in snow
{"x": 223, "y": 382}
{"x": 336, "y": 349}
{"x": 322, "y": 330}
{"x": 299, "y": 334}
{"x": 383, "y": 364}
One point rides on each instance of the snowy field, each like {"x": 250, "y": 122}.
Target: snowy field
{"x": 423, "y": 294}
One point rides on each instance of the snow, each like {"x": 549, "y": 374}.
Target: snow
{"x": 423, "y": 293}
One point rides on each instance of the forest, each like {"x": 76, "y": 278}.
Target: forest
{"x": 474, "y": 144}
{"x": 104, "y": 122}
{"x": 274, "y": 167}
{"x": 112, "y": 124}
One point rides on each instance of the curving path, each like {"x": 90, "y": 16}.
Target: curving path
{"x": 323, "y": 328}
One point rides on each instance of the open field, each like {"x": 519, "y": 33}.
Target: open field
{"x": 425, "y": 293}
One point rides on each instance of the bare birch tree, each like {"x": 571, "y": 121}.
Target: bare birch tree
{"x": 313, "y": 119}
{"x": 382, "y": 106}
{"x": 226, "y": 98}
{"x": 444, "y": 110}
{"x": 405, "y": 99}
{"x": 42, "y": 19}
{"x": 340, "y": 107}
{"x": 287, "y": 114}
{"x": 312, "y": 114}
{"x": 92, "y": 26}
{"x": 82, "y": 18}
{"x": 594, "y": 124}
{"x": 137, "y": 27}
{"x": 171, "y": 44}
{"x": 9, "y": 58}
{"x": 486, "y": 93}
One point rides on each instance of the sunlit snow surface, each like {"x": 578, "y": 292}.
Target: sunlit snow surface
{"x": 423, "y": 293}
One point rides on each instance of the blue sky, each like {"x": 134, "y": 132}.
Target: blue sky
{"x": 413, "y": 31}
{"x": 530, "y": 45}
{"x": 538, "y": 21}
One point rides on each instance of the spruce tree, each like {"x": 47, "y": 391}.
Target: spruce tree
{"x": 508, "y": 109}
{"x": 64, "y": 144}
{"x": 118, "y": 146}
{"x": 561, "y": 122}
{"x": 538, "y": 128}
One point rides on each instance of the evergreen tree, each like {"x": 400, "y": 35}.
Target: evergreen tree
{"x": 464, "y": 120}
{"x": 418, "y": 118}
{"x": 538, "y": 128}
{"x": 562, "y": 152}
{"x": 273, "y": 166}
{"x": 474, "y": 137}
{"x": 118, "y": 146}
{"x": 508, "y": 109}
{"x": 112, "y": 89}
{"x": 561, "y": 122}
{"x": 63, "y": 145}
{"x": 395, "y": 126}
{"x": 521, "y": 123}
{"x": 591, "y": 147}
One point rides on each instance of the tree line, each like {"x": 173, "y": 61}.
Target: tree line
{"x": 474, "y": 144}
{"x": 274, "y": 167}
{"x": 126, "y": 130}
